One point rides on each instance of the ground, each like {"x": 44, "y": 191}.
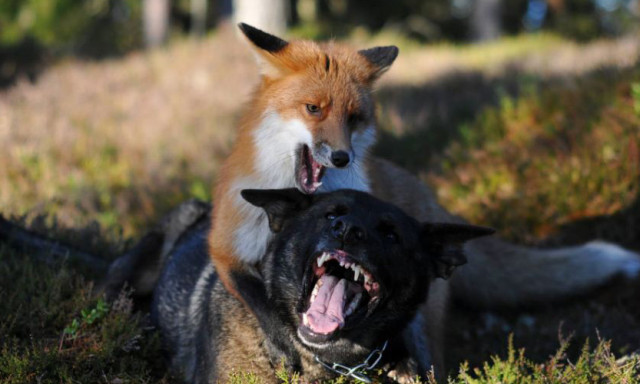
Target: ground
{"x": 533, "y": 135}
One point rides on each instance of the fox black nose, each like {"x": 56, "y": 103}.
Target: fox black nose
{"x": 340, "y": 158}
{"x": 347, "y": 232}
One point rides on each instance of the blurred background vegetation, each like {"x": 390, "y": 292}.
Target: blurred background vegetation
{"x": 34, "y": 30}
{"x": 523, "y": 115}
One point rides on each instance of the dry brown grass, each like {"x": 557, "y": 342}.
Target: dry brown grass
{"x": 112, "y": 139}
{"x": 119, "y": 140}
{"x": 497, "y": 129}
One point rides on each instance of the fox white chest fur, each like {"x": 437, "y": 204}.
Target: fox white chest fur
{"x": 277, "y": 142}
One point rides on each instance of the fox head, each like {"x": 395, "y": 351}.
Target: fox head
{"x": 316, "y": 111}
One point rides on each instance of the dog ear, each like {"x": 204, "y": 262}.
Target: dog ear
{"x": 267, "y": 47}
{"x": 380, "y": 59}
{"x": 279, "y": 204}
{"x": 444, "y": 243}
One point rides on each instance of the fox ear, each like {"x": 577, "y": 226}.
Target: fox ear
{"x": 444, "y": 244}
{"x": 380, "y": 58}
{"x": 266, "y": 46}
{"x": 279, "y": 204}
{"x": 261, "y": 39}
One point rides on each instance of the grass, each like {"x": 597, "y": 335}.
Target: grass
{"x": 558, "y": 154}
{"x": 534, "y": 135}
{"x": 55, "y": 329}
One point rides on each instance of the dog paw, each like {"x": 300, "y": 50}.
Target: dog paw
{"x": 405, "y": 372}
{"x": 283, "y": 356}
{"x": 402, "y": 377}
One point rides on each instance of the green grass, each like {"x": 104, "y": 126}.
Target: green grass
{"x": 546, "y": 158}
{"x": 533, "y": 135}
{"x": 55, "y": 329}
{"x": 593, "y": 365}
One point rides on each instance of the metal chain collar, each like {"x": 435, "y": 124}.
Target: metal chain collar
{"x": 369, "y": 363}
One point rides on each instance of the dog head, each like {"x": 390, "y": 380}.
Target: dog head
{"x": 349, "y": 271}
{"x": 316, "y": 108}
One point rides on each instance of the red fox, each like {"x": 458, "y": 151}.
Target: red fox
{"x": 310, "y": 125}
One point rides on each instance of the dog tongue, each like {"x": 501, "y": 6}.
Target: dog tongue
{"x": 326, "y": 313}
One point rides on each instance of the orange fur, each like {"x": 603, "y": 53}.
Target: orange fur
{"x": 334, "y": 77}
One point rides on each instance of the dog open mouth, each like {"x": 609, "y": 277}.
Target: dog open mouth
{"x": 342, "y": 293}
{"x": 308, "y": 171}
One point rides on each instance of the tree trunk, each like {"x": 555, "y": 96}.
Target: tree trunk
{"x": 155, "y": 15}
{"x": 270, "y": 16}
{"x": 485, "y": 20}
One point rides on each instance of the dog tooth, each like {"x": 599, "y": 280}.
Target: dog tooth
{"x": 305, "y": 319}
{"x": 315, "y": 291}
{"x": 356, "y": 271}
{"x": 325, "y": 257}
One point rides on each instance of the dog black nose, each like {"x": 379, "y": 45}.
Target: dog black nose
{"x": 346, "y": 231}
{"x": 340, "y": 158}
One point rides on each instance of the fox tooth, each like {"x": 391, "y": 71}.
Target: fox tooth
{"x": 342, "y": 263}
{"x": 305, "y": 319}
{"x": 366, "y": 279}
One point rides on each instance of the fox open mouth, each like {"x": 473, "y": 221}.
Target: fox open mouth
{"x": 338, "y": 294}
{"x": 308, "y": 171}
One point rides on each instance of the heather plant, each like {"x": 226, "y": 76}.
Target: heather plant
{"x": 527, "y": 134}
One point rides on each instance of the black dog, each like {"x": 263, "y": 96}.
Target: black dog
{"x": 345, "y": 274}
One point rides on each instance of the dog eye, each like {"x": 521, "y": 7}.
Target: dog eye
{"x": 391, "y": 236}
{"x": 313, "y": 109}
{"x": 331, "y": 216}
{"x": 388, "y": 232}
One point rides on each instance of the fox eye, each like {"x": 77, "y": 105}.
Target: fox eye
{"x": 354, "y": 119}
{"x": 313, "y": 109}
{"x": 331, "y": 216}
